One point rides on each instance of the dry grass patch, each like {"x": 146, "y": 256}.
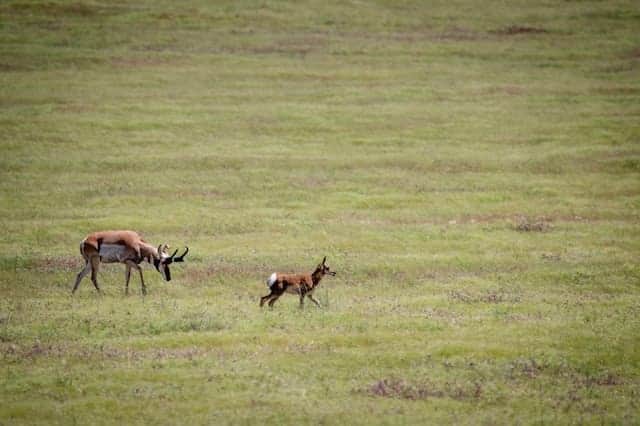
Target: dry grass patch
{"x": 401, "y": 389}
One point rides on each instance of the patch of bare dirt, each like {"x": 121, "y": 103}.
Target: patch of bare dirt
{"x": 617, "y": 91}
{"x": 57, "y": 351}
{"x": 311, "y": 182}
{"x": 295, "y": 45}
{"x": 532, "y": 368}
{"x": 140, "y": 62}
{"x": 398, "y": 388}
{"x": 510, "y": 90}
{"x": 75, "y": 108}
{"x": 482, "y": 218}
{"x": 282, "y": 50}
{"x": 635, "y": 53}
{"x": 301, "y": 348}
{"x": 529, "y": 368}
{"x": 439, "y": 314}
{"x": 551, "y": 257}
{"x": 460, "y": 34}
{"x": 526, "y": 224}
{"x": 605, "y": 379}
{"x": 61, "y": 263}
{"x": 29, "y": 351}
{"x": 489, "y": 296}
{"x": 53, "y": 9}
{"x": 5, "y": 67}
{"x": 454, "y": 33}
{"x": 60, "y": 9}
{"x": 519, "y": 29}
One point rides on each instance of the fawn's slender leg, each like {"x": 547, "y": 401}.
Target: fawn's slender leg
{"x": 314, "y": 300}
{"x": 274, "y": 297}
{"x": 264, "y": 299}
{"x": 302, "y": 295}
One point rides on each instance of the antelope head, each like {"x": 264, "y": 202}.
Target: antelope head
{"x": 324, "y": 268}
{"x": 164, "y": 260}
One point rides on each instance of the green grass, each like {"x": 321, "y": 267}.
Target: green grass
{"x": 472, "y": 171}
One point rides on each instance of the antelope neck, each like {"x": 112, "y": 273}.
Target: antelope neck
{"x": 149, "y": 252}
{"x": 316, "y": 276}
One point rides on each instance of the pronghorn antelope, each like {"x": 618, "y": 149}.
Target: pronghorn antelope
{"x": 125, "y": 247}
{"x": 300, "y": 284}
{"x": 130, "y": 239}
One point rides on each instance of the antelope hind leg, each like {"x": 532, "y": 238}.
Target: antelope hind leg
{"x": 80, "y": 276}
{"x": 95, "y": 266}
{"x": 264, "y": 299}
{"x": 273, "y": 298}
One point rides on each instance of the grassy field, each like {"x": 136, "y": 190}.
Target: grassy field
{"x": 471, "y": 171}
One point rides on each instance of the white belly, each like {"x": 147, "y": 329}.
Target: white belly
{"x": 112, "y": 253}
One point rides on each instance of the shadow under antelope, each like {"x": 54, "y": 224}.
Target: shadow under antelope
{"x": 301, "y": 284}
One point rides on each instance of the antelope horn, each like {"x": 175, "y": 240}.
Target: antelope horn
{"x": 181, "y": 257}
{"x": 174, "y": 253}
{"x": 324, "y": 260}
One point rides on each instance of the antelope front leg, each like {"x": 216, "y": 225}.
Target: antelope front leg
{"x": 302, "y": 295}
{"x": 132, "y": 264}
{"x": 314, "y": 300}
{"x": 144, "y": 287}
{"x": 127, "y": 276}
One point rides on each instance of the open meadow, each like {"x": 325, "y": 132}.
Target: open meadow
{"x": 471, "y": 170}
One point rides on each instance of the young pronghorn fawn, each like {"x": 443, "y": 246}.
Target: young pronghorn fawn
{"x": 125, "y": 247}
{"x": 300, "y": 284}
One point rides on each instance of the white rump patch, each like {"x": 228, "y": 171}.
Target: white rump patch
{"x": 272, "y": 279}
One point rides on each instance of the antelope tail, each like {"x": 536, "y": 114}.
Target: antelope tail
{"x": 272, "y": 280}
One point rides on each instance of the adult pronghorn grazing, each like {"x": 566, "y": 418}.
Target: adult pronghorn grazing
{"x": 300, "y": 284}
{"x": 125, "y": 247}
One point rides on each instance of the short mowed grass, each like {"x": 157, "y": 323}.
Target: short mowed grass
{"x": 470, "y": 170}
